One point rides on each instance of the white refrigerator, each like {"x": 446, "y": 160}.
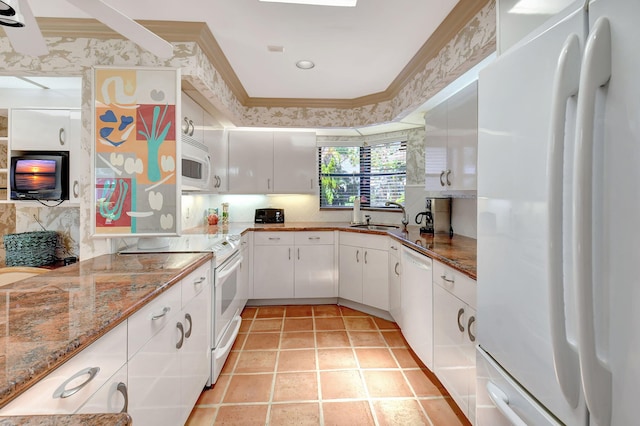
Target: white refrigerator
{"x": 558, "y": 212}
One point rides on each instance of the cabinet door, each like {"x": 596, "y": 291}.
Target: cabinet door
{"x": 112, "y": 397}
{"x": 350, "y": 272}
{"x": 251, "y": 162}
{"x": 435, "y": 152}
{"x": 375, "y": 279}
{"x": 192, "y": 122}
{"x": 295, "y": 162}
{"x": 195, "y": 354}
{"x": 75, "y": 155}
{"x": 395, "y": 283}
{"x": 154, "y": 378}
{"x": 39, "y": 129}
{"x": 451, "y": 358}
{"x": 314, "y": 271}
{"x": 462, "y": 141}
{"x": 215, "y": 141}
{"x": 273, "y": 272}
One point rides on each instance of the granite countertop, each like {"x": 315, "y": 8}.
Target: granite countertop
{"x": 47, "y": 319}
{"x": 458, "y": 252}
{"x": 120, "y": 419}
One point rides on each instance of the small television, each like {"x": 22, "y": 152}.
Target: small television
{"x": 40, "y": 176}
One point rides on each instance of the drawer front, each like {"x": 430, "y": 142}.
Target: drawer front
{"x": 112, "y": 397}
{"x": 273, "y": 238}
{"x": 313, "y": 238}
{"x": 394, "y": 247}
{"x": 152, "y": 318}
{"x": 379, "y": 242}
{"x": 69, "y": 386}
{"x": 455, "y": 282}
{"x": 195, "y": 282}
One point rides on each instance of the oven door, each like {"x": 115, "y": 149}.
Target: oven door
{"x": 227, "y": 295}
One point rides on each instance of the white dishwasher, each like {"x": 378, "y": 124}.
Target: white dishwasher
{"x": 417, "y": 304}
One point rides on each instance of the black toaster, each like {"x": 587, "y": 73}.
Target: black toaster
{"x": 269, "y": 216}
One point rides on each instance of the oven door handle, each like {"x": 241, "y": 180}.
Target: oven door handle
{"x": 228, "y": 270}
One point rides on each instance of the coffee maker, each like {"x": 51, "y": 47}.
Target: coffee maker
{"x": 436, "y": 216}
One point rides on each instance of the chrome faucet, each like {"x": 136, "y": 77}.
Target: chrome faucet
{"x": 405, "y": 221}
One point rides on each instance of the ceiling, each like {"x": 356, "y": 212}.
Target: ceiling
{"x": 357, "y": 51}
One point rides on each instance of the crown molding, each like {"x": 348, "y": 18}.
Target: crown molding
{"x": 200, "y": 33}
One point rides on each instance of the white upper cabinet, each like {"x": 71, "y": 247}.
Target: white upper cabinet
{"x": 451, "y": 144}
{"x": 40, "y": 129}
{"x": 272, "y": 162}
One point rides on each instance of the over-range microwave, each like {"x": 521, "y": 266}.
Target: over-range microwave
{"x": 196, "y": 165}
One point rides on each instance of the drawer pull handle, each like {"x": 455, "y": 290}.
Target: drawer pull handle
{"x": 365, "y": 256}
{"x": 76, "y": 189}
{"x": 460, "y": 326}
{"x": 444, "y": 277}
{"x": 447, "y": 175}
{"x": 357, "y": 256}
{"x": 61, "y": 136}
{"x": 199, "y": 280}
{"x": 165, "y": 311}
{"x": 314, "y": 238}
{"x": 122, "y": 388}
{"x": 181, "y": 341}
{"x": 472, "y": 337}
{"x": 62, "y": 392}
{"x": 274, "y": 238}
{"x": 187, "y": 318}
{"x": 394, "y": 248}
{"x": 441, "y": 176}
{"x": 395, "y": 269}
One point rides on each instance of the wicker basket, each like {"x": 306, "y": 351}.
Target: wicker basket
{"x": 31, "y": 248}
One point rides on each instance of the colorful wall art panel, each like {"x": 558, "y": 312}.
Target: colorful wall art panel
{"x": 136, "y": 152}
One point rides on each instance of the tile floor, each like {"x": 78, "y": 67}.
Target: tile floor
{"x": 323, "y": 365}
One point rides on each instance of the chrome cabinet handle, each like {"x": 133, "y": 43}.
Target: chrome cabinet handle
{"x": 460, "y": 326}
{"x": 394, "y": 248}
{"x": 187, "y": 318}
{"x": 314, "y": 238}
{"x": 199, "y": 281}
{"x": 448, "y": 181}
{"x": 357, "y": 256}
{"x": 193, "y": 128}
{"x": 62, "y": 392}
{"x": 218, "y": 181}
{"x": 274, "y": 238}
{"x": 472, "y": 337}
{"x": 441, "y": 176}
{"x": 311, "y": 186}
{"x": 444, "y": 277}
{"x": 165, "y": 311}
{"x": 181, "y": 341}
{"x": 298, "y": 254}
{"x": 76, "y": 188}
{"x": 365, "y": 256}
{"x": 185, "y": 126}
{"x": 61, "y": 136}
{"x": 395, "y": 269}
{"x": 122, "y": 388}
{"x": 289, "y": 253}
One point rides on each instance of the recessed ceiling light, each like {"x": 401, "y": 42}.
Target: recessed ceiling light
{"x": 346, "y": 3}
{"x": 305, "y": 64}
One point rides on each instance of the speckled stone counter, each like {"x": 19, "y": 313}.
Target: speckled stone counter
{"x": 47, "y": 319}
{"x": 73, "y": 420}
{"x": 458, "y": 252}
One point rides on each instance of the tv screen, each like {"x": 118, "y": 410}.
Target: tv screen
{"x": 40, "y": 176}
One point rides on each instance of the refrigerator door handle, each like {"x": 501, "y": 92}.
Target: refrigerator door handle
{"x": 565, "y": 85}
{"x": 596, "y": 72}
{"x": 501, "y": 401}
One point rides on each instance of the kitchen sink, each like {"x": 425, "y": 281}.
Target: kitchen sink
{"x": 376, "y": 227}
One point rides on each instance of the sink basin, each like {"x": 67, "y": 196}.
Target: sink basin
{"x": 376, "y": 227}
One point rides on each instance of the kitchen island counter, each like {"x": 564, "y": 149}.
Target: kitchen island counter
{"x": 49, "y": 318}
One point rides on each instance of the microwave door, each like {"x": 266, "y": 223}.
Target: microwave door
{"x": 196, "y": 172}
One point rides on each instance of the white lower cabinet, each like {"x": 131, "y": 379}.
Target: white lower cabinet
{"x": 454, "y": 328}
{"x": 363, "y": 269}
{"x": 112, "y": 397}
{"x": 169, "y": 371}
{"x": 77, "y": 381}
{"x": 294, "y": 265}
{"x": 395, "y": 282}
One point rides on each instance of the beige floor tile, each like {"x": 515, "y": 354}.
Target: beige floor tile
{"x": 386, "y": 383}
{"x": 230, "y": 364}
{"x": 360, "y": 323}
{"x": 394, "y": 338}
{"x": 443, "y": 411}
{"x": 366, "y": 338}
{"x": 424, "y": 383}
{"x": 215, "y": 394}
{"x": 296, "y": 387}
{"x": 383, "y": 324}
{"x": 332, "y": 339}
{"x": 375, "y": 358}
{"x": 249, "y": 388}
{"x": 245, "y": 325}
{"x": 335, "y": 359}
{"x": 249, "y": 312}
{"x": 299, "y": 311}
{"x": 262, "y": 341}
{"x": 349, "y": 413}
{"x": 400, "y": 412}
{"x": 264, "y": 325}
{"x": 237, "y": 345}
{"x": 202, "y": 416}
{"x": 270, "y": 312}
{"x": 348, "y": 312}
{"x": 341, "y": 384}
{"x": 242, "y": 415}
{"x": 406, "y": 358}
{"x": 326, "y": 311}
{"x": 329, "y": 323}
{"x": 298, "y": 324}
{"x": 300, "y": 414}
{"x": 256, "y": 362}
{"x": 297, "y": 360}
{"x": 297, "y": 340}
